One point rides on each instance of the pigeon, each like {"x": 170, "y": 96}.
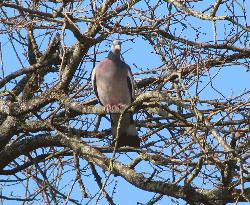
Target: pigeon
{"x": 113, "y": 85}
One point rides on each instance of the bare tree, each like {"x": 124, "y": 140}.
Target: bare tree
{"x": 56, "y": 140}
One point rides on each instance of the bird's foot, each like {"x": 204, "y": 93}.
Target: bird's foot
{"x": 121, "y": 106}
{"x": 110, "y": 108}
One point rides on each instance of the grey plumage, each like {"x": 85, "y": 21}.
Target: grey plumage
{"x": 114, "y": 86}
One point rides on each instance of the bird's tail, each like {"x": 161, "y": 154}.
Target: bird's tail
{"x": 128, "y": 135}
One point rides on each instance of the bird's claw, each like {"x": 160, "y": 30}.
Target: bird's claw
{"x": 110, "y": 108}
{"x": 121, "y": 106}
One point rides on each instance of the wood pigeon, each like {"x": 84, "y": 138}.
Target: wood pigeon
{"x": 113, "y": 84}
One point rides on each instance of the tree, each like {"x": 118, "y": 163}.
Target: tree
{"x": 55, "y": 138}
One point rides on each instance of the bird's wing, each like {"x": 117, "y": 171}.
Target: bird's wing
{"x": 131, "y": 83}
{"x": 93, "y": 81}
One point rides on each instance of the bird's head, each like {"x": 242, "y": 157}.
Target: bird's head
{"x": 116, "y": 47}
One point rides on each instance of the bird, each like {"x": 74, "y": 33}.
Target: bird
{"x": 113, "y": 84}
